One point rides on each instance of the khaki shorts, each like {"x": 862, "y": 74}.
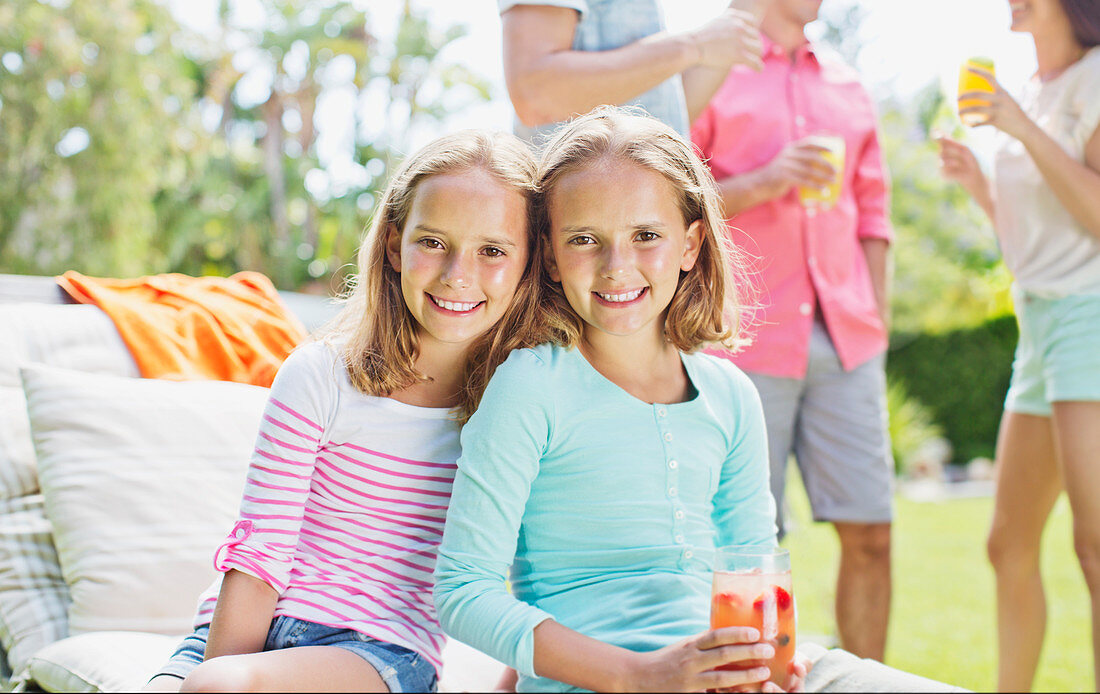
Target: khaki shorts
{"x": 835, "y": 423}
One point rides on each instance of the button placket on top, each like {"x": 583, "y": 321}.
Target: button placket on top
{"x": 672, "y": 473}
{"x": 799, "y": 112}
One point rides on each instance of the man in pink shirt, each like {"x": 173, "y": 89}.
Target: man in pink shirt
{"x": 819, "y": 354}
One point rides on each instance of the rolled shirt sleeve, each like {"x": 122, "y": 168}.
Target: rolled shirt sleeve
{"x": 263, "y": 541}
{"x": 871, "y": 186}
{"x": 581, "y": 6}
{"x": 495, "y": 473}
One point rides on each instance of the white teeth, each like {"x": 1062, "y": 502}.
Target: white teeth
{"x": 455, "y": 305}
{"x": 620, "y": 298}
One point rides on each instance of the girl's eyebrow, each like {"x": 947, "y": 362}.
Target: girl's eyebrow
{"x": 492, "y": 240}
{"x": 577, "y": 230}
{"x": 497, "y": 241}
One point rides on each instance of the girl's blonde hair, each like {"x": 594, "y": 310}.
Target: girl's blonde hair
{"x": 376, "y": 328}
{"x": 712, "y": 300}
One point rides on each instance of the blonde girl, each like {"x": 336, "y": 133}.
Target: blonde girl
{"x": 605, "y": 470}
{"x": 328, "y": 573}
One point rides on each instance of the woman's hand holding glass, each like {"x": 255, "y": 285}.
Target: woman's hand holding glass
{"x": 996, "y": 108}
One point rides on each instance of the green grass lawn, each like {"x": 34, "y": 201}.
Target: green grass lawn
{"x": 942, "y": 620}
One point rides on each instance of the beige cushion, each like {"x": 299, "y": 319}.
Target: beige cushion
{"x": 141, "y": 480}
{"x": 69, "y": 336}
{"x": 115, "y": 661}
{"x": 466, "y": 669}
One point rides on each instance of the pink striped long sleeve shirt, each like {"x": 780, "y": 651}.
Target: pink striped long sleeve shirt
{"x": 344, "y": 505}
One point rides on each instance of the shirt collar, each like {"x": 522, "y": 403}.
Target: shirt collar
{"x": 773, "y": 50}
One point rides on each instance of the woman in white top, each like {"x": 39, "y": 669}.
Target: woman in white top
{"x": 1045, "y": 204}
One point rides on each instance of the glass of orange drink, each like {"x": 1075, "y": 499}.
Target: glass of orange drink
{"x": 972, "y": 82}
{"x": 752, "y": 588}
{"x": 832, "y": 150}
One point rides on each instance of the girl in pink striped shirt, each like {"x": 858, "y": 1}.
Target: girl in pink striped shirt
{"x": 328, "y": 573}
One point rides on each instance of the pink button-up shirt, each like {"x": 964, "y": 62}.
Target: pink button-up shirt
{"x": 806, "y": 258}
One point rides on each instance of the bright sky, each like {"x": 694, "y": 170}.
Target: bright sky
{"x": 907, "y": 44}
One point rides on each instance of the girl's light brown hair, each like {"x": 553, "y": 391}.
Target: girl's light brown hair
{"x": 712, "y": 299}
{"x": 376, "y": 328}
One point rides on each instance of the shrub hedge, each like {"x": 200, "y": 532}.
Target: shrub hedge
{"x": 961, "y": 376}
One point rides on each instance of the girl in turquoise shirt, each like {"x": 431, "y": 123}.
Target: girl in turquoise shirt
{"x": 604, "y": 471}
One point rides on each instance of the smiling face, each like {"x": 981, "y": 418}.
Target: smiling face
{"x": 619, "y": 243}
{"x": 461, "y": 254}
{"x": 1031, "y": 15}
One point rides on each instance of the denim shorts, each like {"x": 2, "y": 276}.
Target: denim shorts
{"x": 401, "y": 669}
{"x": 1058, "y": 355}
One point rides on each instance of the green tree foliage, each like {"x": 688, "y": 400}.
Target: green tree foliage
{"x": 86, "y": 93}
{"x": 961, "y": 376}
{"x": 154, "y": 149}
{"x": 948, "y": 270}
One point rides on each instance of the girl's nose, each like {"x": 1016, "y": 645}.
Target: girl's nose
{"x": 455, "y": 275}
{"x": 616, "y": 264}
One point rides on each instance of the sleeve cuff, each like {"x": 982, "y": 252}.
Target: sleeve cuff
{"x": 878, "y": 230}
{"x": 581, "y": 6}
{"x": 234, "y": 554}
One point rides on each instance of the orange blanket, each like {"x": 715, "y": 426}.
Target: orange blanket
{"x": 180, "y": 327}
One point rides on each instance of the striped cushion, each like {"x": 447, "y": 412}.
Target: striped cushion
{"x": 141, "y": 480}
{"x": 34, "y": 599}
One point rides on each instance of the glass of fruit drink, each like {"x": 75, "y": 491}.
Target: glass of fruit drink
{"x": 832, "y": 150}
{"x": 971, "y": 82}
{"x": 752, "y": 588}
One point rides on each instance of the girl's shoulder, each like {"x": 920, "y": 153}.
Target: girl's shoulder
{"x": 527, "y": 374}
{"x": 711, "y": 372}
{"x": 541, "y": 359}
{"x": 313, "y": 362}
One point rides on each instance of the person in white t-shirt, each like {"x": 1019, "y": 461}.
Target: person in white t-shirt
{"x": 1045, "y": 204}
{"x": 327, "y": 580}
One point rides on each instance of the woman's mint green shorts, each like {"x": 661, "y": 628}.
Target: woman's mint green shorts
{"x": 1058, "y": 356}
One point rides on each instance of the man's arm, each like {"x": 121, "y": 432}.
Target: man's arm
{"x": 548, "y": 81}
{"x": 877, "y": 253}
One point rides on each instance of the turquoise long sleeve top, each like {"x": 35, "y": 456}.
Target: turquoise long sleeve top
{"x": 605, "y": 508}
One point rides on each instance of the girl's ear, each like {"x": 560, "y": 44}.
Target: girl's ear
{"x": 693, "y": 243}
{"x": 393, "y": 247}
{"x": 550, "y": 263}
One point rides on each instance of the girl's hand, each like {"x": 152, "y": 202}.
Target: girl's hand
{"x": 999, "y": 108}
{"x": 688, "y": 666}
{"x": 796, "y": 678}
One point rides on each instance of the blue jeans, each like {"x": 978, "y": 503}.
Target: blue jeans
{"x": 401, "y": 669}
